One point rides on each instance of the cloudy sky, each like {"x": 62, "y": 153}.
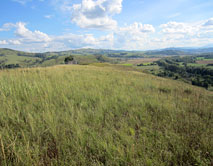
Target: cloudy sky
{"x": 55, "y": 25}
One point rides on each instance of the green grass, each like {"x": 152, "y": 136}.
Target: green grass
{"x": 25, "y": 59}
{"x": 11, "y": 57}
{"x": 127, "y": 64}
{"x": 200, "y": 58}
{"x": 147, "y": 64}
{"x": 210, "y": 67}
{"x": 196, "y": 64}
{"x": 154, "y": 69}
{"x": 105, "y": 115}
{"x": 208, "y": 59}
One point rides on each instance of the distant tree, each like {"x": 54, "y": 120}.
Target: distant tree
{"x": 68, "y": 59}
{"x": 100, "y": 58}
{"x": 10, "y": 66}
{"x": 205, "y": 84}
{"x": 123, "y": 53}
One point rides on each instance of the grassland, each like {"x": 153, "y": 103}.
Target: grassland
{"x": 141, "y": 60}
{"x": 102, "y": 115}
{"x": 205, "y": 61}
{"x": 8, "y": 56}
{"x": 142, "y": 64}
{"x": 25, "y": 59}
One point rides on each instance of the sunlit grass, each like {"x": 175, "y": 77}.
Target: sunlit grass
{"x": 88, "y": 115}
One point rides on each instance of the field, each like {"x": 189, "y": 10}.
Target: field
{"x": 102, "y": 115}
{"x": 206, "y": 61}
{"x": 141, "y": 60}
{"x": 203, "y": 63}
{"x": 146, "y": 64}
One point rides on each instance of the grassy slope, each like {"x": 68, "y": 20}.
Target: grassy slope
{"x": 81, "y": 59}
{"x": 89, "y": 115}
{"x": 8, "y": 56}
{"x": 11, "y": 57}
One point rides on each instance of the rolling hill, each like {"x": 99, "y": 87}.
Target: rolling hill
{"x": 102, "y": 115}
{"x": 25, "y": 59}
{"x": 87, "y": 56}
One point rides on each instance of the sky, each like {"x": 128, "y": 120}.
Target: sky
{"x": 57, "y": 25}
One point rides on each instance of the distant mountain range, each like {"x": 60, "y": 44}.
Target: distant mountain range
{"x": 180, "y": 51}
{"x": 165, "y": 51}
{"x": 193, "y": 50}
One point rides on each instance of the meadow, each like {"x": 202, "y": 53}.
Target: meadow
{"x": 137, "y": 61}
{"x": 102, "y": 115}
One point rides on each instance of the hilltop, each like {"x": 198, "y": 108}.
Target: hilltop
{"x": 102, "y": 115}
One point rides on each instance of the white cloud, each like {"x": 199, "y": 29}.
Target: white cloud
{"x": 69, "y": 41}
{"x": 209, "y": 22}
{"x": 96, "y": 14}
{"x": 136, "y": 36}
{"x": 3, "y": 42}
{"x": 25, "y": 39}
{"x": 138, "y": 28}
{"x": 174, "y": 15}
{"x": 29, "y": 36}
{"x": 14, "y": 42}
{"x": 23, "y": 2}
{"x": 179, "y": 34}
{"x": 187, "y": 31}
{"x": 7, "y": 27}
{"x": 179, "y": 28}
{"x": 25, "y": 34}
{"x": 84, "y": 40}
{"x": 10, "y": 42}
{"x": 48, "y": 16}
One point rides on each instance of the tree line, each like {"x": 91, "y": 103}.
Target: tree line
{"x": 200, "y": 76}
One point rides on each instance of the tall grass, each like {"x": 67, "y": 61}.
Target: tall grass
{"x": 87, "y": 115}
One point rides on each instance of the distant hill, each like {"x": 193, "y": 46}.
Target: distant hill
{"x": 8, "y": 56}
{"x": 87, "y": 56}
{"x": 180, "y": 51}
{"x": 193, "y": 50}
{"x": 165, "y": 52}
{"x": 25, "y": 59}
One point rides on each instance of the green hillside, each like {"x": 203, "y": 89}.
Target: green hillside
{"x": 83, "y": 56}
{"x": 102, "y": 115}
{"x": 10, "y": 57}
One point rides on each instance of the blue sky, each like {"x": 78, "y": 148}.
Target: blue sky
{"x": 55, "y": 25}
